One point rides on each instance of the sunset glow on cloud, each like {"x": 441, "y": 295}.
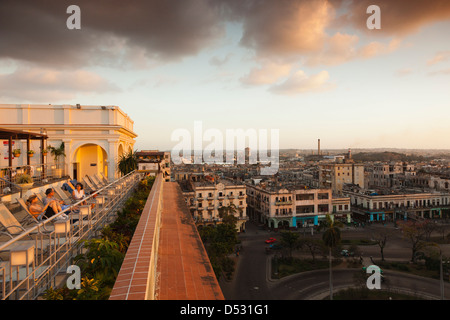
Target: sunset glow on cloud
{"x": 242, "y": 63}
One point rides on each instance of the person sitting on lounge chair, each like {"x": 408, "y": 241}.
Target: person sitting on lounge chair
{"x": 37, "y": 211}
{"x": 78, "y": 194}
{"x": 50, "y": 196}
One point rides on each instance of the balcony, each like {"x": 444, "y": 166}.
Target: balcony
{"x": 306, "y": 214}
{"x": 283, "y": 203}
{"x": 55, "y": 242}
{"x": 41, "y": 174}
{"x": 287, "y": 214}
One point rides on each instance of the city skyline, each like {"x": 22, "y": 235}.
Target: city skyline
{"x": 311, "y": 69}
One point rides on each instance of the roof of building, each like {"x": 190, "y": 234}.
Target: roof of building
{"x": 5, "y": 134}
{"x": 151, "y": 153}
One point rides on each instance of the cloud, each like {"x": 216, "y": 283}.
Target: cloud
{"x": 398, "y": 18}
{"x": 288, "y": 32}
{"x": 112, "y": 32}
{"x": 268, "y": 73}
{"x": 403, "y": 72}
{"x": 285, "y": 27}
{"x": 439, "y": 72}
{"x": 439, "y": 57}
{"x": 143, "y": 33}
{"x": 300, "y": 82}
{"x": 47, "y": 85}
{"x": 342, "y": 48}
{"x": 376, "y": 48}
{"x": 339, "y": 49}
{"x": 312, "y": 31}
{"x": 218, "y": 62}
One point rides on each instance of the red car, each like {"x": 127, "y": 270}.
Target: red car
{"x": 271, "y": 240}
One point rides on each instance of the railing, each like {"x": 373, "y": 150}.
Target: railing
{"x": 40, "y": 174}
{"x": 282, "y": 203}
{"x": 7, "y": 187}
{"x": 207, "y": 220}
{"x": 142, "y": 253}
{"x": 54, "y": 242}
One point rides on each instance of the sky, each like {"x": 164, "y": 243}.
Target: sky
{"x": 311, "y": 69}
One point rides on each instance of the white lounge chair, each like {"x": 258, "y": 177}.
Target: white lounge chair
{"x": 89, "y": 184}
{"x": 11, "y": 225}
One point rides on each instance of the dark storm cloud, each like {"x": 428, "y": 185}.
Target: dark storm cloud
{"x": 111, "y": 31}
{"x": 123, "y": 33}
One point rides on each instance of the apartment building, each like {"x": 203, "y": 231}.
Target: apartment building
{"x": 289, "y": 207}
{"x": 390, "y": 175}
{"x": 208, "y": 196}
{"x": 371, "y": 206}
{"x": 430, "y": 182}
{"x": 335, "y": 175}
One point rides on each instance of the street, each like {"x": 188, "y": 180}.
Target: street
{"x": 252, "y": 279}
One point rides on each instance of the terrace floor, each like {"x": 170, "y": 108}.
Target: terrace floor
{"x": 183, "y": 265}
{"x": 166, "y": 259}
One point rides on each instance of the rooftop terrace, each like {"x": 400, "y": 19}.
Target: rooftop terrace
{"x": 166, "y": 259}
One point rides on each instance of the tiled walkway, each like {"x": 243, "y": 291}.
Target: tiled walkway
{"x": 184, "y": 271}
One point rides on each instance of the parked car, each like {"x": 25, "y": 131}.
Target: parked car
{"x": 271, "y": 240}
{"x": 276, "y": 246}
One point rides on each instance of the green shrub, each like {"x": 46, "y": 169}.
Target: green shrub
{"x": 23, "y": 178}
{"x": 102, "y": 261}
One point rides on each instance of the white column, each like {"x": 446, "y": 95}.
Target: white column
{"x": 113, "y": 146}
{"x": 68, "y": 165}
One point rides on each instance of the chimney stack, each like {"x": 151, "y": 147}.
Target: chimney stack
{"x": 318, "y": 147}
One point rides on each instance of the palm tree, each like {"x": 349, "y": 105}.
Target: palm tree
{"x": 127, "y": 162}
{"x": 57, "y": 153}
{"x": 331, "y": 237}
{"x": 227, "y": 214}
{"x": 290, "y": 240}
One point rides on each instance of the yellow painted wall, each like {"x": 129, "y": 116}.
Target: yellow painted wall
{"x": 91, "y": 154}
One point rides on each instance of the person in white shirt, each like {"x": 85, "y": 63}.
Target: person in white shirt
{"x": 78, "y": 194}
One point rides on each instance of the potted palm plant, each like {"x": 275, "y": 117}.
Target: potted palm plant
{"x": 57, "y": 153}
{"x": 25, "y": 181}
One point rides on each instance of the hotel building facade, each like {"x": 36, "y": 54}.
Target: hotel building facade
{"x": 292, "y": 207}
{"x": 378, "y": 207}
{"x": 94, "y": 137}
{"x": 207, "y": 196}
